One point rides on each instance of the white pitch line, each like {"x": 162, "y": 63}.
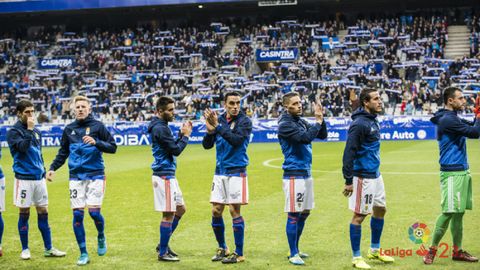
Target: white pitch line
{"x": 416, "y": 151}
{"x": 266, "y": 163}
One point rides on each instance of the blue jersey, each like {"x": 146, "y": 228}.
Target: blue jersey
{"x": 361, "y": 156}
{"x": 165, "y": 148}
{"x": 452, "y": 132}
{"x": 26, "y": 149}
{"x": 85, "y": 161}
{"x": 295, "y": 136}
{"x": 231, "y": 138}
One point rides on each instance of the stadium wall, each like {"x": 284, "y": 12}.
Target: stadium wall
{"x": 131, "y": 133}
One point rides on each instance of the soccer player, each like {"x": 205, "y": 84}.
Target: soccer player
{"x": 2, "y": 203}
{"x": 361, "y": 162}
{"x": 25, "y": 145}
{"x": 167, "y": 195}
{"x": 83, "y": 142}
{"x": 455, "y": 178}
{"x": 230, "y": 132}
{"x": 295, "y": 136}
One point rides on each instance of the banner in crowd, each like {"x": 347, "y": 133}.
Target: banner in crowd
{"x": 280, "y": 55}
{"x": 56, "y": 63}
{"x": 128, "y": 133}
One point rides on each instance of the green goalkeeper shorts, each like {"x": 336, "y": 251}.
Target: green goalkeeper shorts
{"x": 456, "y": 190}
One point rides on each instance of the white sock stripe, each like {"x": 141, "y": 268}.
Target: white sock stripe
{"x": 450, "y": 193}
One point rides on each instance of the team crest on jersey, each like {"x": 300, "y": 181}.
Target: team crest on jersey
{"x": 37, "y": 136}
{"x": 155, "y": 184}
{"x": 232, "y": 125}
{"x": 87, "y": 131}
{"x": 73, "y": 132}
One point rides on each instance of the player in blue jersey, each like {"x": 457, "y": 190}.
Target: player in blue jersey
{"x": 361, "y": 171}
{"x": 230, "y": 132}
{"x": 167, "y": 194}
{"x": 295, "y": 136}
{"x": 455, "y": 178}
{"x": 2, "y": 203}
{"x": 25, "y": 142}
{"x": 83, "y": 142}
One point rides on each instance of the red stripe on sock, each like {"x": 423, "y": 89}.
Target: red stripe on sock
{"x": 237, "y": 220}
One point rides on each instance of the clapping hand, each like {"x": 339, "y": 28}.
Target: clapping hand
{"x": 319, "y": 112}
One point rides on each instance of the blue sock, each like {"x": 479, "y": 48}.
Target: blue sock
{"x": 238, "y": 225}
{"x": 99, "y": 221}
{"x": 79, "y": 230}
{"x": 292, "y": 224}
{"x": 300, "y": 224}
{"x": 219, "y": 230}
{"x": 165, "y": 233}
{"x": 176, "y": 220}
{"x": 23, "y": 229}
{"x": 1, "y": 227}
{"x": 355, "y": 237}
{"x": 376, "y": 224}
{"x": 45, "y": 230}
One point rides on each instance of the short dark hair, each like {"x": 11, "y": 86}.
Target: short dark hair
{"x": 449, "y": 92}
{"x": 23, "y": 104}
{"x": 231, "y": 94}
{"x": 162, "y": 103}
{"x": 365, "y": 95}
{"x": 288, "y": 96}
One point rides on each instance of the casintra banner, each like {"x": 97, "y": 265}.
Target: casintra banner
{"x": 56, "y": 63}
{"x": 281, "y": 55}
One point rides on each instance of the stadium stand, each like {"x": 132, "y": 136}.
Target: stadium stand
{"x": 123, "y": 71}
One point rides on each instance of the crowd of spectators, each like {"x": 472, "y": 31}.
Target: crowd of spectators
{"x": 124, "y": 71}
{"x": 474, "y": 24}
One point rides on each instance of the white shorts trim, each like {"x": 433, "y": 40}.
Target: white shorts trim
{"x": 167, "y": 194}
{"x": 2, "y": 194}
{"x": 30, "y": 192}
{"x": 87, "y": 192}
{"x": 229, "y": 189}
{"x": 298, "y": 194}
{"x": 367, "y": 193}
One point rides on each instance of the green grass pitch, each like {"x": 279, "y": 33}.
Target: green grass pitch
{"x": 409, "y": 168}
